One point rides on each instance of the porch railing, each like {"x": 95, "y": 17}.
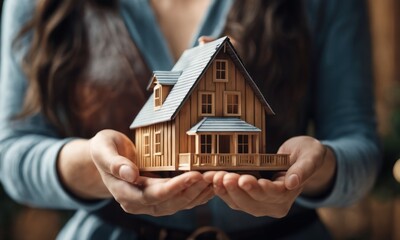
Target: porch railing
{"x": 232, "y": 160}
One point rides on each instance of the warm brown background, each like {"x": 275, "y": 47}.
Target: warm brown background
{"x": 375, "y": 217}
{"x": 378, "y": 215}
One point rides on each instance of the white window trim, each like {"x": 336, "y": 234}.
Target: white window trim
{"x": 146, "y": 135}
{"x": 158, "y": 130}
{"x": 239, "y": 94}
{"x": 158, "y": 87}
{"x": 215, "y": 70}
{"x": 200, "y": 105}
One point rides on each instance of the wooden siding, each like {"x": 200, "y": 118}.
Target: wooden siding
{"x": 252, "y": 111}
{"x": 165, "y": 160}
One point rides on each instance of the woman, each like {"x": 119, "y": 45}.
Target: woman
{"x": 70, "y": 70}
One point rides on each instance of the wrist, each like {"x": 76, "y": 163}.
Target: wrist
{"x": 77, "y": 172}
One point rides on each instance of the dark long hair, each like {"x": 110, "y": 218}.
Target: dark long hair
{"x": 57, "y": 56}
{"x": 271, "y": 37}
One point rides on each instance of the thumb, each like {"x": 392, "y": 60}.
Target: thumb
{"x": 292, "y": 181}
{"x": 124, "y": 169}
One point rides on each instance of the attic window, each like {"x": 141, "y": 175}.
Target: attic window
{"x": 157, "y": 96}
{"x": 220, "y": 70}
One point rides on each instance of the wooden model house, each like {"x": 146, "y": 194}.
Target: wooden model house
{"x": 205, "y": 114}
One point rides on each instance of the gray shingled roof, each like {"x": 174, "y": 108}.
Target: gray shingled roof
{"x": 165, "y": 78}
{"x": 222, "y": 124}
{"x": 193, "y": 64}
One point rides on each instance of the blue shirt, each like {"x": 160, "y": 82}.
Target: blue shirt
{"x": 342, "y": 110}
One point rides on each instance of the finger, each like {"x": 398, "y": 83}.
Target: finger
{"x": 198, "y": 193}
{"x": 220, "y": 191}
{"x": 262, "y": 189}
{"x": 234, "y": 195}
{"x": 218, "y": 184}
{"x": 303, "y": 168}
{"x": 156, "y": 190}
{"x": 206, "y": 195}
{"x": 123, "y": 192}
{"x": 250, "y": 185}
{"x": 209, "y": 176}
{"x": 104, "y": 151}
{"x": 205, "y": 39}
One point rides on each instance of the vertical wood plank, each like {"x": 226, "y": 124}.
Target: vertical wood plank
{"x": 209, "y": 82}
{"x": 219, "y": 96}
{"x": 263, "y": 143}
{"x": 194, "y": 114}
{"x": 175, "y": 142}
{"x": 241, "y": 87}
{"x": 231, "y": 84}
{"x": 184, "y": 125}
{"x": 249, "y": 104}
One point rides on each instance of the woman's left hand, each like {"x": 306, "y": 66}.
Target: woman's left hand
{"x": 311, "y": 172}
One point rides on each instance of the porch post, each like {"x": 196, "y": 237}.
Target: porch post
{"x": 257, "y": 149}
{"x": 197, "y": 149}
{"x": 213, "y": 155}
{"x": 235, "y": 149}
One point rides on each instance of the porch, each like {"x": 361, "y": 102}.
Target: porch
{"x": 219, "y": 161}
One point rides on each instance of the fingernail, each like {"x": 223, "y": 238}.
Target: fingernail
{"x": 293, "y": 181}
{"x": 126, "y": 173}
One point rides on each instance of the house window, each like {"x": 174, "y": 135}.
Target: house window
{"x": 243, "y": 144}
{"x": 146, "y": 144}
{"x": 221, "y": 70}
{"x": 205, "y": 143}
{"x": 157, "y": 96}
{"x": 157, "y": 140}
{"x": 206, "y": 103}
{"x": 232, "y": 104}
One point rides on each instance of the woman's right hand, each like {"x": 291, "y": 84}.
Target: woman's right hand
{"x": 113, "y": 154}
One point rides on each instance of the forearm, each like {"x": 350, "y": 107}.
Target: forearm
{"x": 357, "y": 167}
{"x": 78, "y": 173}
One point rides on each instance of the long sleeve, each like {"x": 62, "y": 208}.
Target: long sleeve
{"x": 344, "y": 100}
{"x": 28, "y": 147}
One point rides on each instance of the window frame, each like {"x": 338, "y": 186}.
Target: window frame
{"x": 239, "y": 103}
{"x": 146, "y": 147}
{"x": 217, "y": 70}
{"x": 157, "y": 100}
{"x": 206, "y": 143}
{"x": 158, "y": 148}
{"x": 201, "y": 103}
{"x": 243, "y": 144}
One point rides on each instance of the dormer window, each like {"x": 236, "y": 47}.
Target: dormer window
{"x": 220, "y": 70}
{"x": 157, "y": 96}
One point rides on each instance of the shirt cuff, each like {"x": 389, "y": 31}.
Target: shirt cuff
{"x": 67, "y": 199}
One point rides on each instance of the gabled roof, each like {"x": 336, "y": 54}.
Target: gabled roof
{"x": 193, "y": 64}
{"x": 164, "y": 78}
{"x": 222, "y": 124}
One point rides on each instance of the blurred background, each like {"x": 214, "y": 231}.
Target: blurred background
{"x": 377, "y": 216}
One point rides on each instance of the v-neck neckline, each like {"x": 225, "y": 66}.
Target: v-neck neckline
{"x": 145, "y": 31}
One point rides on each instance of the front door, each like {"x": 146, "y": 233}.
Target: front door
{"x": 224, "y": 144}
